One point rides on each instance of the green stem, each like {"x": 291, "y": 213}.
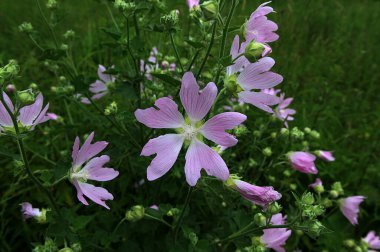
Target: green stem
{"x": 47, "y": 23}
{"x": 193, "y": 60}
{"x": 21, "y": 148}
{"x": 35, "y": 43}
{"x": 118, "y": 225}
{"x": 179, "y": 223}
{"x": 176, "y": 51}
{"x": 68, "y": 112}
{"x": 216, "y": 99}
{"x": 136, "y": 25}
{"x": 158, "y": 219}
{"x": 112, "y": 17}
{"x": 208, "y": 49}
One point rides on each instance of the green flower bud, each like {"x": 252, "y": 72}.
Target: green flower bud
{"x": 125, "y": 7}
{"x": 349, "y": 243}
{"x": 307, "y": 130}
{"x": 252, "y": 162}
{"x": 135, "y": 214}
{"x": 284, "y": 132}
{"x": 273, "y": 135}
{"x": 66, "y": 250}
{"x": 9, "y": 71}
{"x": 51, "y": 4}
{"x": 173, "y": 212}
{"x": 337, "y": 186}
{"x": 111, "y": 109}
{"x": 69, "y": 34}
{"x": 319, "y": 189}
{"x": 210, "y": 9}
{"x": 230, "y": 83}
{"x": 26, "y": 27}
{"x": 272, "y": 178}
{"x": 257, "y": 133}
{"x": 287, "y": 173}
{"x": 299, "y": 232}
{"x": 33, "y": 86}
{"x": 296, "y": 133}
{"x": 314, "y": 134}
{"x": 254, "y": 50}
{"x": 293, "y": 187}
{"x": 267, "y": 152}
{"x": 256, "y": 240}
{"x": 334, "y": 194}
{"x": 170, "y": 20}
{"x": 240, "y": 130}
{"x": 315, "y": 228}
{"x": 327, "y": 203}
{"x": 307, "y": 198}
{"x": 274, "y": 208}
{"x": 224, "y": 204}
{"x": 64, "y": 47}
{"x": 305, "y": 143}
{"x": 26, "y": 97}
{"x": 259, "y": 219}
{"x": 42, "y": 218}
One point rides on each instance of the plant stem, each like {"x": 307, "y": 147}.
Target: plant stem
{"x": 158, "y": 219}
{"x": 21, "y": 148}
{"x": 176, "y": 51}
{"x": 193, "y": 60}
{"x": 47, "y": 23}
{"x": 208, "y": 49}
{"x": 177, "y": 227}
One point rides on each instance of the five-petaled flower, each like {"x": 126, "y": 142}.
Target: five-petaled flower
{"x": 28, "y": 116}
{"x": 190, "y": 130}
{"x": 93, "y": 170}
{"x": 372, "y": 240}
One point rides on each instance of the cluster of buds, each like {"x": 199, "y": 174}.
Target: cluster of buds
{"x": 26, "y": 27}
{"x": 9, "y": 71}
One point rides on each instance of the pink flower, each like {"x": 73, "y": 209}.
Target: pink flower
{"x": 258, "y": 195}
{"x": 326, "y": 155}
{"x": 303, "y": 162}
{"x": 236, "y": 50}
{"x": 28, "y": 116}
{"x": 192, "y": 3}
{"x": 318, "y": 182}
{"x": 101, "y": 86}
{"x": 93, "y": 170}
{"x": 271, "y": 91}
{"x": 191, "y": 130}
{"x": 52, "y": 116}
{"x": 29, "y": 212}
{"x": 275, "y": 238}
{"x": 372, "y": 240}
{"x": 350, "y": 208}
{"x": 282, "y": 112}
{"x": 155, "y": 207}
{"x": 259, "y": 28}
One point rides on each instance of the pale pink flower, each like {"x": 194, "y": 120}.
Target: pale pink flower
{"x": 52, "y": 116}
{"x": 275, "y": 238}
{"x": 191, "y": 130}
{"x": 192, "y": 3}
{"x": 303, "y": 162}
{"x": 350, "y": 208}
{"x": 29, "y": 212}
{"x": 93, "y": 170}
{"x": 259, "y": 28}
{"x": 372, "y": 240}
{"x": 28, "y": 116}
{"x": 259, "y": 195}
{"x": 155, "y": 207}
{"x": 100, "y": 87}
{"x": 271, "y": 91}
{"x": 318, "y": 182}
{"x": 282, "y": 111}
{"x": 326, "y": 155}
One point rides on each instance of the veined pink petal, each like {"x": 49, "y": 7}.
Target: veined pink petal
{"x": 167, "y": 148}
{"x": 41, "y": 117}
{"x": 275, "y": 238}
{"x": 89, "y": 150}
{"x": 97, "y": 194}
{"x": 29, "y": 113}
{"x": 256, "y": 75}
{"x": 259, "y": 99}
{"x": 262, "y": 10}
{"x": 5, "y": 118}
{"x": 350, "y": 208}
{"x": 196, "y": 103}
{"x": 75, "y": 151}
{"x": 214, "y": 129}
{"x": 79, "y": 192}
{"x": 98, "y": 86}
{"x": 103, "y": 76}
{"x": 28, "y": 211}
{"x": 167, "y": 116}
{"x": 199, "y": 156}
{"x": 95, "y": 170}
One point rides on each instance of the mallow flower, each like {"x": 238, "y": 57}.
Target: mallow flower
{"x": 29, "y": 212}
{"x": 87, "y": 167}
{"x": 282, "y": 111}
{"x": 28, "y": 116}
{"x": 259, "y": 195}
{"x": 192, "y": 3}
{"x": 244, "y": 77}
{"x": 303, "y": 162}
{"x": 190, "y": 130}
{"x": 318, "y": 182}
{"x": 350, "y": 208}
{"x": 373, "y": 241}
{"x": 259, "y": 28}
{"x": 275, "y": 238}
{"x": 325, "y": 155}
{"x": 102, "y": 86}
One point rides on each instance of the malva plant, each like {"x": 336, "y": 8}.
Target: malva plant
{"x": 164, "y": 87}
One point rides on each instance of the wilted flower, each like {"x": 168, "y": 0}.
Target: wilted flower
{"x": 275, "y": 238}
{"x": 325, "y": 155}
{"x": 259, "y": 195}
{"x": 350, "y": 208}
{"x": 93, "y": 170}
{"x": 372, "y": 240}
{"x": 190, "y": 130}
{"x": 303, "y": 162}
{"x": 259, "y": 28}
{"x": 28, "y": 118}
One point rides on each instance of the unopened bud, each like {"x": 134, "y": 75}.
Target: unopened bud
{"x": 26, "y": 97}
{"x": 284, "y": 132}
{"x": 210, "y": 9}
{"x": 25, "y": 27}
{"x": 11, "y": 88}
{"x": 136, "y": 213}
{"x": 255, "y": 50}
{"x": 259, "y": 219}
{"x": 334, "y": 194}
{"x": 274, "y": 208}
{"x": 51, "y": 4}
{"x": 267, "y": 152}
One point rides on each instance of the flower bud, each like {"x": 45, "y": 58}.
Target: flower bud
{"x": 259, "y": 219}
{"x": 349, "y": 243}
{"x": 315, "y": 228}
{"x": 255, "y": 50}
{"x": 11, "y": 88}
{"x": 299, "y": 232}
{"x": 25, "y": 27}
{"x": 52, "y": 4}
{"x": 9, "y": 70}
{"x": 111, "y": 109}
{"x": 64, "y": 47}
{"x": 69, "y": 34}
{"x": 210, "y": 9}
{"x": 66, "y": 249}
{"x": 240, "y": 130}
{"x": 293, "y": 187}
{"x": 173, "y": 212}
{"x": 42, "y": 218}
{"x": 267, "y": 152}
{"x": 314, "y": 134}
{"x": 307, "y": 199}
{"x": 319, "y": 189}
{"x": 252, "y": 162}
{"x": 296, "y": 133}
{"x": 334, "y": 194}
{"x": 26, "y": 97}
{"x": 284, "y": 132}
{"x": 287, "y": 173}
{"x": 327, "y": 203}
{"x": 230, "y": 83}
{"x": 257, "y": 133}
{"x": 337, "y": 186}
{"x": 273, "y": 135}
{"x": 33, "y": 86}
{"x": 274, "y": 208}
{"x": 136, "y": 213}
{"x": 307, "y": 130}
{"x": 170, "y": 20}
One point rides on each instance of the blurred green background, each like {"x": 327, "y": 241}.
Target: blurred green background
{"x": 328, "y": 53}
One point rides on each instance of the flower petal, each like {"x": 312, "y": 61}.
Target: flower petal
{"x": 95, "y": 170}
{"x": 88, "y": 150}
{"x": 97, "y": 194}
{"x": 199, "y": 156}
{"x": 196, "y": 103}
{"x": 167, "y": 116}
{"x": 214, "y": 129}
{"x": 29, "y": 113}
{"x": 5, "y": 118}
{"x": 260, "y": 100}
{"x": 98, "y": 87}
{"x": 103, "y": 76}
{"x": 167, "y": 148}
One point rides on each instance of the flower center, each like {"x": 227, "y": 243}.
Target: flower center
{"x": 189, "y": 131}
{"x": 80, "y": 175}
